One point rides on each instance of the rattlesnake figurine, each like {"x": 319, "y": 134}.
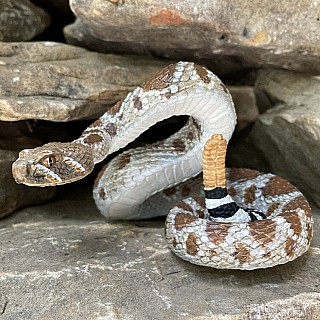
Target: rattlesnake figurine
{"x": 269, "y": 222}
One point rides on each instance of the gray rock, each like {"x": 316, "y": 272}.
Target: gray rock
{"x": 285, "y": 139}
{"x": 56, "y": 82}
{"x": 14, "y": 196}
{"x": 78, "y": 34}
{"x": 64, "y": 261}
{"x": 273, "y": 87}
{"x": 21, "y": 20}
{"x": 253, "y": 33}
{"x": 245, "y": 103}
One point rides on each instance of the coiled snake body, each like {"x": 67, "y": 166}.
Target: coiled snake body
{"x": 263, "y": 221}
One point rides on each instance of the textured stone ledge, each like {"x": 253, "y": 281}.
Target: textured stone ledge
{"x": 64, "y": 261}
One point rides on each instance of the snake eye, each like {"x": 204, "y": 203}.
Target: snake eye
{"x": 48, "y": 161}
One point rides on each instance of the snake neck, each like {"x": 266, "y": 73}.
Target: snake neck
{"x": 180, "y": 89}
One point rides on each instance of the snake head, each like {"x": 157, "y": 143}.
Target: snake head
{"x": 53, "y": 164}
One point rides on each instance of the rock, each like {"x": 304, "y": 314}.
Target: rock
{"x": 64, "y": 261}
{"x": 14, "y": 196}
{"x": 21, "y": 20}
{"x": 245, "y": 104}
{"x": 78, "y": 34}
{"x": 56, "y": 82}
{"x": 252, "y": 33}
{"x": 285, "y": 139}
{"x": 275, "y": 86}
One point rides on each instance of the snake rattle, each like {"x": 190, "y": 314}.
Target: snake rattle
{"x": 249, "y": 220}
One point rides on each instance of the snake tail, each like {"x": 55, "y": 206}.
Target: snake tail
{"x": 219, "y": 202}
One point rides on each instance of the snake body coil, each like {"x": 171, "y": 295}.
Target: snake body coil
{"x": 268, "y": 222}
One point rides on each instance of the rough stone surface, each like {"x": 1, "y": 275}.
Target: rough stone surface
{"x": 51, "y": 81}
{"x": 79, "y": 34}
{"x": 285, "y": 139}
{"x": 245, "y": 104}
{"x": 273, "y": 87}
{"x": 14, "y": 196}
{"x": 21, "y": 20}
{"x": 64, "y": 261}
{"x": 255, "y": 33}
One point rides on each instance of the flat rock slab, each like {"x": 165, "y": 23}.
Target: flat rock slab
{"x": 256, "y": 33}
{"x": 57, "y": 82}
{"x": 64, "y": 261}
{"x": 285, "y": 138}
{"x": 21, "y": 20}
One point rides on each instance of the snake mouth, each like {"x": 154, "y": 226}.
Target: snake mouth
{"x": 23, "y": 174}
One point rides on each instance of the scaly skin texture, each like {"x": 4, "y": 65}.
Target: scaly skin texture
{"x": 53, "y": 164}
{"x": 123, "y": 187}
{"x": 285, "y": 234}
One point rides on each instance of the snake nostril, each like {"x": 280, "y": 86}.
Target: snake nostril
{"x": 20, "y": 171}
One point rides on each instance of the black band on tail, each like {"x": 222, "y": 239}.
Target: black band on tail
{"x": 224, "y": 211}
{"x": 216, "y": 193}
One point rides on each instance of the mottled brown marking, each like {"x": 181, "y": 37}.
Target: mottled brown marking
{"x": 277, "y": 186}
{"x": 115, "y": 108}
{"x": 217, "y": 233}
{"x": 97, "y": 123}
{"x": 212, "y": 252}
{"x": 170, "y": 191}
{"x": 184, "y": 206}
{"x": 290, "y": 245}
{"x": 124, "y": 160}
{"x": 190, "y": 135}
{"x": 174, "y": 242}
{"x": 91, "y": 131}
{"x": 181, "y": 220}
{"x": 200, "y": 201}
{"x": 191, "y": 244}
{"x": 240, "y": 174}
{"x": 200, "y": 213}
{"x": 242, "y": 254}
{"x": 168, "y": 17}
{"x": 272, "y": 208}
{"x": 299, "y": 202}
{"x": 263, "y": 231}
{"x": 267, "y": 255}
{"x": 224, "y": 88}
{"x": 203, "y": 73}
{"x": 93, "y": 138}
{"x": 168, "y": 95}
{"x": 101, "y": 193}
{"x": 294, "y": 220}
{"x": 96, "y": 181}
{"x": 185, "y": 191}
{"x": 250, "y": 194}
{"x": 137, "y": 103}
{"x": 179, "y": 145}
{"x": 232, "y": 191}
{"x": 161, "y": 80}
{"x": 111, "y": 128}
